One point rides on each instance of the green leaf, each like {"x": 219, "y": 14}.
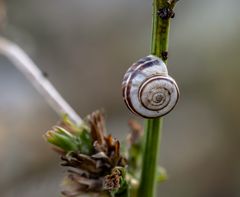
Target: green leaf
{"x": 61, "y": 141}
{"x": 69, "y": 137}
{"x": 84, "y": 143}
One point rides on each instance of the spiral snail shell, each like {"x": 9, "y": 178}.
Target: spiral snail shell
{"x": 148, "y": 90}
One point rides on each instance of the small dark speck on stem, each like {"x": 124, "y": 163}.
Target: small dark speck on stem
{"x": 165, "y": 55}
{"x": 166, "y": 13}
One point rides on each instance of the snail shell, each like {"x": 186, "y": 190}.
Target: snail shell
{"x": 148, "y": 90}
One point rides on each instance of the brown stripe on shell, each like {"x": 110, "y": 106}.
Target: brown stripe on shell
{"x": 141, "y": 61}
{"x": 126, "y": 87}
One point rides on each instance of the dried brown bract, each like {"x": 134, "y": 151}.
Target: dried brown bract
{"x": 88, "y": 172}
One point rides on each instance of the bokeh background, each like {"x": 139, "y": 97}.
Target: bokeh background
{"x": 85, "y": 46}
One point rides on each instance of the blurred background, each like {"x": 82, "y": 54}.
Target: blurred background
{"x": 86, "y": 46}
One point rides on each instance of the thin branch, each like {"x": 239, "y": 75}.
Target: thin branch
{"x": 24, "y": 64}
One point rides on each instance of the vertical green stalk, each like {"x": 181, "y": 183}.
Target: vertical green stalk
{"x": 150, "y": 158}
{"x": 162, "y": 12}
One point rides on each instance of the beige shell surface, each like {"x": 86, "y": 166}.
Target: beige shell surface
{"x": 148, "y": 90}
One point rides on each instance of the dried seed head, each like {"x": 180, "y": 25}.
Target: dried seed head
{"x": 94, "y": 158}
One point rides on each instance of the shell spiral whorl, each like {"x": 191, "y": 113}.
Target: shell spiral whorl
{"x": 148, "y": 90}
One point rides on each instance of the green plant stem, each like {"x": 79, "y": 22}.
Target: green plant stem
{"x": 149, "y": 170}
{"x": 153, "y": 128}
